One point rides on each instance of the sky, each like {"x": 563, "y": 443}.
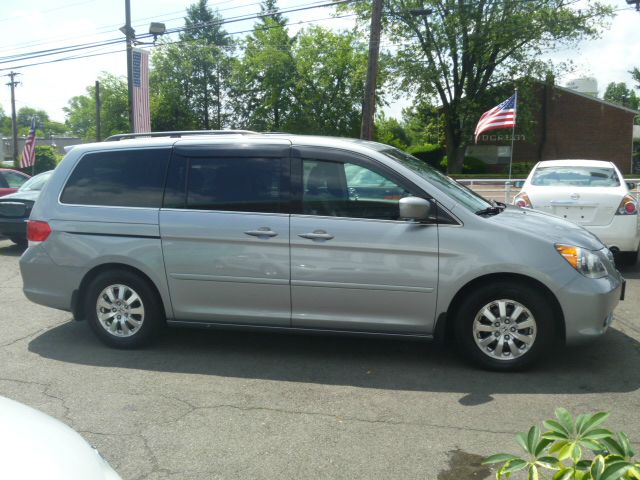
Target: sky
{"x": 44, "y": 24}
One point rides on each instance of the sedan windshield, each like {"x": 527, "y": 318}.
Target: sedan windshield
{"x": 575, "y": 177}
{"x": 466, "y": 197}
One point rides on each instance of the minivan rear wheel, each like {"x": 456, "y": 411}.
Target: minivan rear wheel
{"x": 504, "y": 326}
{"x": 123, "y": 309}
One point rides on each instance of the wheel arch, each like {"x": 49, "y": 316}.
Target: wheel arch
{"x": 77, "y": 306}
{"x": 445, "y": 321}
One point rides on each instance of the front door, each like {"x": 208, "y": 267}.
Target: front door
{"x": 225, "y": 234}
{"x": 354, "y": 264}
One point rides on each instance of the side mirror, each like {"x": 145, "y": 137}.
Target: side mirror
{"x": 519, "y": 184}
{"x": 414, "y": 208}
{"x": 631, "y": 185}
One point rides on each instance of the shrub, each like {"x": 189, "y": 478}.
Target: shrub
{"x": 563, "y": 450}
{"x": 522, "y": 168}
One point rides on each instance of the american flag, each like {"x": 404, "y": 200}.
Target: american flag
{"x": 29, "y": 152}
{"x": 141, "y": 113}
{"x": 502, "y": 116}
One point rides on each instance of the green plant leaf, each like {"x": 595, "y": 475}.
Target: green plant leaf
{"x": 612, "y": 446}
{"x": 593, "y": 421}
{"x": 533, "y": 437}
{"x": 533, "y": 473}
{"x": 559, "y": 445}
{"x": 591, "y": 444}
{"x": 583, "y": 465}
{"x": 521, "y": 438}
{"x": 542, "y": 445}
{"x": 580, "y": 421}
{"x": 616, "y": 470}
{"x": 551, "y": 463}
{"x": 515, "y": 466}
{"x": 556, "y": 427}
{"x": 597, "y": 433}
{"x": 576, "y": 455}
{"x": 597, "y": 467}
{"x": 565, "y": 419}
{"x": 626, "y": 445}
{"x": 566, "y": 451}
{"x": 499, "y": 457}
{"x": 564, "y": 474}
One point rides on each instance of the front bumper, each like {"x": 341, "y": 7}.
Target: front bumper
{"x": 588, "y": 306}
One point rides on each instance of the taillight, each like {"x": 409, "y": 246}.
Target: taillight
{"x": 522, "y": 200}
{"x": 628, "y": 206}
{"x": 37, "y": 231}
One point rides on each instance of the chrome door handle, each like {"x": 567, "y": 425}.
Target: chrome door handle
{"x": 316, "y": 235}
{"x": 261, "y": 232}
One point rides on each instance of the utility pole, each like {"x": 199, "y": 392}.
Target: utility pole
{"x": 130, "y": 36}
{"x": 98, "y": 136}
{"x": 14, "y": 122}
{"x": 369, "y": 103}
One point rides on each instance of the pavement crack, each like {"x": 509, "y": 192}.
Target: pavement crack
{"x": 32, "y": 334}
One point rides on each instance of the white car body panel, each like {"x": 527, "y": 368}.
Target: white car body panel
{"x": 593, "y": 207}
{"x": 35, "y": 446}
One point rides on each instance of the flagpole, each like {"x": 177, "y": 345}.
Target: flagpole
{"x": 513, "y": 131}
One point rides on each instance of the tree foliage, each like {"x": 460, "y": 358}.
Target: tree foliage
{"x": 189, "y": 79}
{"x": 622, "y": 95}
{"x": 462, "y": 49}
{"x": 114, "y": 115}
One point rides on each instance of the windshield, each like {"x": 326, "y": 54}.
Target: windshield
{"x": 467, "y": 198}
{"x": 36, "y": 183}
{"x": 575, "y": 177}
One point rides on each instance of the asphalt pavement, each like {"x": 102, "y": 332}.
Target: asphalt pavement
{"x": 228, "y": 405}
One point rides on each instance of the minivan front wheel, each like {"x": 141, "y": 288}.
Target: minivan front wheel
{"x": 504, "y": 326}
{"x": 123, "y": 309}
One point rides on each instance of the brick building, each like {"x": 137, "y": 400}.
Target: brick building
{"x": 565, "y": 124}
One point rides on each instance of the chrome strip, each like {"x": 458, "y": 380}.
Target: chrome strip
{"x": 360, "y": 286}
{"x": 228, "y": 279}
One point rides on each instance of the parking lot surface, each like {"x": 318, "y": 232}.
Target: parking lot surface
{"x": 228, "y": 405}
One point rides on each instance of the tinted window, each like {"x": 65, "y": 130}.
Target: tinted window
{"x": 244, "y": 184}
{"x": 576, "y": 177}
{"x": 124, "y": 178}
{"x": 348, "y": 190}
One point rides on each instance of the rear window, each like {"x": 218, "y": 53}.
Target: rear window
{"x": 575, "y": 177}
{"x": 122, "y": 178}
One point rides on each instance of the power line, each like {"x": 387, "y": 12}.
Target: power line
{"x": 239, "y": 18}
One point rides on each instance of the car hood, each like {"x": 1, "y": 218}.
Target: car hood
{"x": 35, "y": 445}
{"x": 31, "y": 195}
{"x": 539, "y": 224}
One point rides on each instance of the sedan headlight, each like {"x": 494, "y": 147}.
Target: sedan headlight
{"x": 584, "y": 261}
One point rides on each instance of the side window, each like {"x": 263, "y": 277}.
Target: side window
{"x": 3, "y": 180}
{"x": 242, "y": 184}
{"x": 14, "y": 180}
{"x": 348, "y": 190}
{"x": 120, "y": 178}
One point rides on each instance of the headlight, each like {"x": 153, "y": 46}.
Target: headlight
{"x": 584, "y": 261}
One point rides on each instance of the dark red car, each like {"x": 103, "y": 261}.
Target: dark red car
{"x": 11, "y": 180}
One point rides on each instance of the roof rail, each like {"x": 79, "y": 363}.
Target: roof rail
{"x": 176, "y": 134}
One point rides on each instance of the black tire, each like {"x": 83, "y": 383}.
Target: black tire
{"x": 469, "y": 313}
{"x": 124, "y": 333}
{"x": 20, "y": 241}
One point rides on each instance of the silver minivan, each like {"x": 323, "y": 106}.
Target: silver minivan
{"x": 301, "y": 233}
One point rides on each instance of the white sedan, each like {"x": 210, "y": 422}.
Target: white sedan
{"x": 591, "y": 193}
{"x": 35, "y": 446}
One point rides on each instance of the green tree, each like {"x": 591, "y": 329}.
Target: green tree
{"x": 330, "y": 71}
{"x": 620, "y": 94}
{"x": 264, "y": 79}
{"x": 46, "y": 159}
{"x": 461, "y": 49}
{"x": 114, "y": 115}
{"x": 635, "y": 74}
{"x": 189, "y": 80}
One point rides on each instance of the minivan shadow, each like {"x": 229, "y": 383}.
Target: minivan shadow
{"x": 612, "y": 364}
